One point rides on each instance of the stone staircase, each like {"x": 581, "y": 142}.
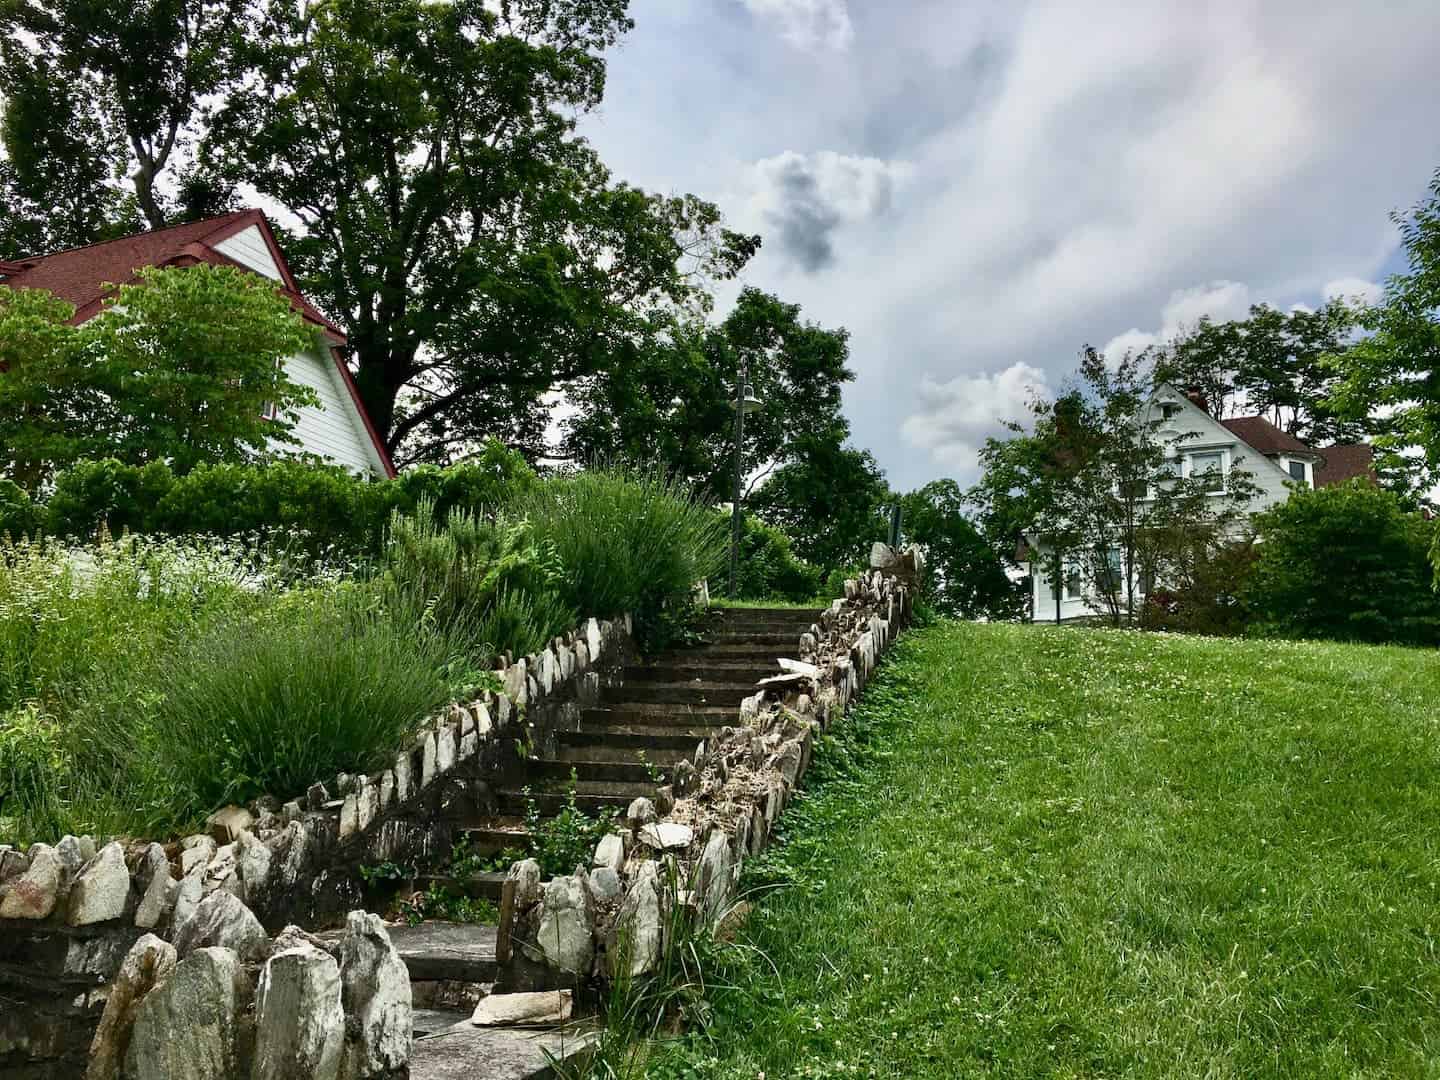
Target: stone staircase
{"x": 625, "y": 748}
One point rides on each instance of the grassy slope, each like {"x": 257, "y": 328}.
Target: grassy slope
{"x": 1043, "y": 852}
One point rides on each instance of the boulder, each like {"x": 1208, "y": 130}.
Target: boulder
{"x": 227, "y": 823}
{"x": 195, "y": 851}
{"x": 159, "y": 888}
{"x": 715, "y": 877}
{"x": 72, "y": 856}
{"x": 192, "y": 1026}
{"x": 640, "y": 812}
{"x": 187, "y": 902}
{"x": 566, "y": 934}
{"x": 32, "y": 895}
{"x": 524, "y": 1010}
{"x": 299, "y": 1021}
{"x": 604, "y": 884}
{"x": 221, "y": 872}
{"x": 253, "y": 859}
{"x": 100, "y": 892}
{"x": 149, "y": 962}
{"x": 375, "y": 992}
{"x": 221, "y": 920}
{"x": 526, "y": 875}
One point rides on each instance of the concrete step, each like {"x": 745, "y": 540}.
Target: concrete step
{"x": 701, "y": 668}
{"x": 461, "y": 952}
{"x": 595, "y": 770}
{"x": 695, "y": 692}
{"x": 482, "y": 886}
{"x": 740, "y": 617}
{"x": 549, "y": 803}
{"x": 782, "y": 638}
{"x": 659, "y": 713}
{"x": 659, "y": 746}
{"x": 491, "y": 834}
{"x": 727, "y": 654}
{"x": 466, "y": 1052}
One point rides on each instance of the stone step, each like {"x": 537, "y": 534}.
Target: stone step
{"x": 587, "y": 771}
{"x": 695, "y": 692}
{"x": 750, "y": 616}
{"x": 433, "y": 1021}
{"x": 658, "y": 713}
{"x": 700, "y": 668}
{"x": 481, "y": 886}
{"x": 466, "y": 1052}
{"x": 461, "y": 952}
{"x": 549, "y": 803}
{"x": 491, "y": 834}
{"x": 659, "y": 746}
{"x": 727, "y": 654}
{"x": 788, "y": 639}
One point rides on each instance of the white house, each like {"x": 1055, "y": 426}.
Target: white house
{"x": 1201, "y": 445}
{"x": 339, "y": 429}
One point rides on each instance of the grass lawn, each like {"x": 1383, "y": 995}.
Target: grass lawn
{"x": 1059, "y": 852}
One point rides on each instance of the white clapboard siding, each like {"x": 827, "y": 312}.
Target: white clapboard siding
{"x": 335, "y": 430}
{"x": 248, "y": 248}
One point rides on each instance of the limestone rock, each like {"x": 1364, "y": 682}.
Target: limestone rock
{"x": 192, "y": 1027}
{"x": 604, "y": 884}
{"x": 187, "y": 902}
{"x": 160, "y": 888}
{"x": 99, "y": 894}
{"x": 222, "y": 920}
{"x": 227, "y": 823}
{"x": 566, "y": 933}
{"x": 636, "y": 938}
{"x": 32, "y": 895}
{"x": 375, "y": 992}
{"x": 526, "y": 875}
{"x": 72, "y": 857}
{"x": 195, "y": 851}
{"x": 148, "y": 963}
{"x": 667, "y": 836}
{"x": 253, "y": 859}
{"x": 299, "y": 1022}
{"x": 715, "y": 878}
{"x": 221, "y": 873}
{"x": 524, "y": 1010}
{"x": 610, "y": 852}
{"x": 641, "y": 812}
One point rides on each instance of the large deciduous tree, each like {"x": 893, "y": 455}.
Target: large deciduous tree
{"x": 184, "y": 367}
{"x": 474, "y": 246}
{"x": 673, "y": 400}
{"x": 1395, "y": 368}
{"x": 966, "y": 578}
{"x": 102, "y": 103}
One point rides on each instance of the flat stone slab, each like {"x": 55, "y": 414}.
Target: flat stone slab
{"x": 458, "y": 952}
{"x": 435, "y": 1021}
{"x": 494, "y": 1053}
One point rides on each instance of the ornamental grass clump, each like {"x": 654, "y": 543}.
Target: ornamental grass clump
{"x": 630, "y": 540}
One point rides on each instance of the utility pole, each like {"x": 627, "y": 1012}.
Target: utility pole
{"x": 741, "y": 390}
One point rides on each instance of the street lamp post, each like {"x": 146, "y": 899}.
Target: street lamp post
{"x": 745, "y": 403}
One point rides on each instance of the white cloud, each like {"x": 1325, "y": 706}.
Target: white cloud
{"x": 805, "y": 199}
{"x": 955, "y": 417}
{"x": 1219, "y": 301}
{"x": 808, "y": 24}
{"x": 1353, "y": 288}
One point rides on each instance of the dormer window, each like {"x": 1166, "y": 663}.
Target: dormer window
{"x": 1169, "y": 410}
{"x": 1301, "y": 471}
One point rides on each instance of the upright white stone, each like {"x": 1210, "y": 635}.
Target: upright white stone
{"x": 299, "y": 1021}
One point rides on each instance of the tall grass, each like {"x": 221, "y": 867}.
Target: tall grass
{"x": 630, "y": 540}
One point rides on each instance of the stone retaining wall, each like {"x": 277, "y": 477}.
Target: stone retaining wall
{"x": 70, "y": 913}
{"x": 582, "y": 928}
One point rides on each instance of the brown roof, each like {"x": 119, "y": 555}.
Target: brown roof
{"x": 1345, "y": 463}
{"x": 1265, "y": 437}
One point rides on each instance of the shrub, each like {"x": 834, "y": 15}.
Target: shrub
{"x": 629, "y": 540}
{"x": 1206, "y": 595}
{"x": 270, "y": 701}
{"x": 108, "y": 493}
{"x": 488, "y": 581}
{"x": 1347, "y": 563}
{"x": 18, "y": 515}
{"x": 768, "y": 567}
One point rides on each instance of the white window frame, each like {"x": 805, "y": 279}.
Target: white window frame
{"x": 1309, "y": 466}
{"x": 1188, "y": 464}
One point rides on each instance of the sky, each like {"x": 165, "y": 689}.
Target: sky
{"x": 977, "y": 190}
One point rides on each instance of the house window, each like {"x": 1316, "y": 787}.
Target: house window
{"x": 1210, "y": 465}
{"x": 1169, "y": 409}
{"x": 1073, "y": 589}
{"x": 1299, "y": 471}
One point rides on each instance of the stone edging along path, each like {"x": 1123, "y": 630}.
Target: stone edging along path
{"x": 573, "y": 929}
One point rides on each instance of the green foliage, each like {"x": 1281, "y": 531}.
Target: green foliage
{"x": 966, "y": 579}
{"x": 769, "y": 568}
{"x": 629, "y": 540}
{"x": 567, "y": 840}
{"x": 107, "y": 494}
{"x": 180, "y": 370}
{"x": 1347, "y": 563}
{"x": 488, "y": 580}
{"x": 1205, "y": 591}
{"x": 34, "y": 770}
{"x": 18, "y": 515}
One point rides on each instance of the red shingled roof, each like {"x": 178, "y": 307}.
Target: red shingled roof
{"x": 1265, "y": 437}
{"x": 80, "y": 276}
{"x": 1345, "y": 463}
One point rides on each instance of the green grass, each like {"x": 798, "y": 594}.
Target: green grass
{"x": 1041, "y": 852}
